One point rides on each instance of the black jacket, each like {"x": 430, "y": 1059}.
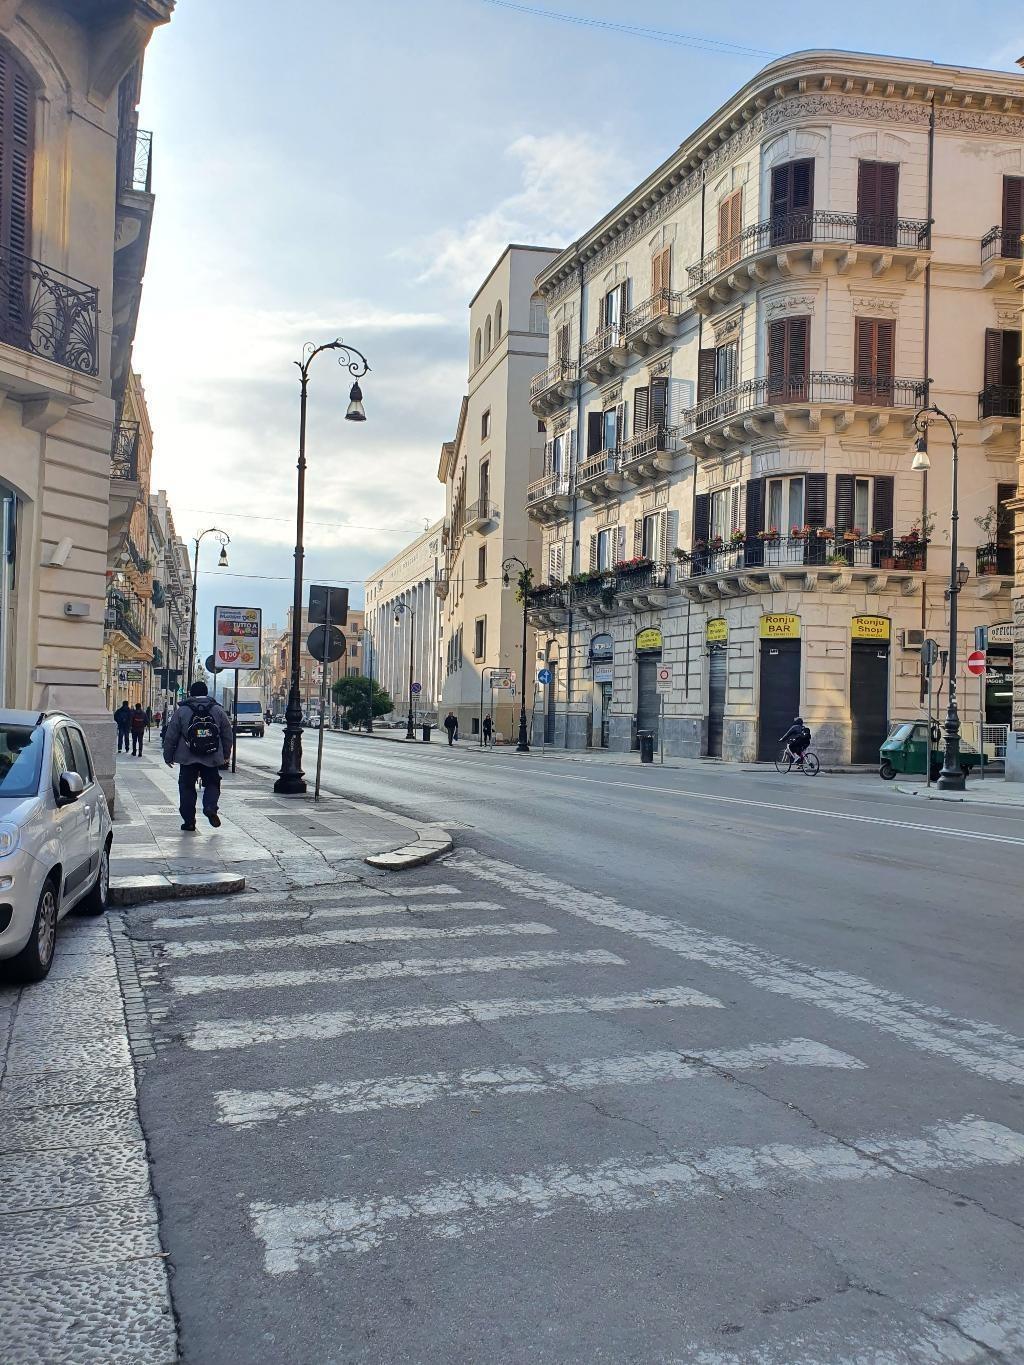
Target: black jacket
{"x": 796, "y": 732}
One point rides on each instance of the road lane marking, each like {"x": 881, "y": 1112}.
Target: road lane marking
{"x": 246, "y": 1108}
{"x": 316, "y": 916}
{"x": 329, "y": 938}
{"x": 303, "y": 1234}
{"x": 214, "y": 1034}
{"x": 778, "y": 806}
{"x": 400, "y": 967}
{"x": 973, "y": 1044}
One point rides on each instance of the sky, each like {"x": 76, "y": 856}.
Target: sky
{"x": 328, "y": 169}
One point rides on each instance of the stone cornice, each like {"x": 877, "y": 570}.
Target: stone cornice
{"x": 810, "y": 87}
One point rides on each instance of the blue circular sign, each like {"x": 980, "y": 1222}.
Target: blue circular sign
{"x": 416, "y": 689}
{"x": 544, "y": 676}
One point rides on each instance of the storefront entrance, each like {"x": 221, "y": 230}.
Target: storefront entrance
{"x": 869, "y": 700}
{"x": 648, "y": 699}
{"x": 779, "y": 690}
{"x": 606, "y": 711}
{"x": 718, "y": 671}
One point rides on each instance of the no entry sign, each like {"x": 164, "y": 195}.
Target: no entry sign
{"x": 976, "y": 662}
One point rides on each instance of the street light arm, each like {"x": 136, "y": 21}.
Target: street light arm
{"x": 351, "y": 359}
{"x": 922, "y": 421}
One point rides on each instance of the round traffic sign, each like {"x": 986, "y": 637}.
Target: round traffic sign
{"x": 212, "y": 666}
{"x": 416, "y": 689}
{"x": 544, "y": 676}
{"x": 976, "y": 662}
{"x": 324, "y": 647}
{"x": 664, "y": 674}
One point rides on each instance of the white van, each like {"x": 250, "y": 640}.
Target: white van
{"x": 250, "y": 712}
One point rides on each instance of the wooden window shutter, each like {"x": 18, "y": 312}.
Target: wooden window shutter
{"x": 781, "y": 178}
{"x": 888, "y": 190}
{"x": 641, "y": 410}
{"x": 815, "y": 499}
{"x": 659, "y": 402}
{"x": 701, "y": 519}
{"x": 1013, "y": 214}
{"x": 656, "y": 283}
{"x": 885, "y": 351}
{"x": 564, "y": 340}
{"x": 993, "y": 357}
{"x": 570, "y": 451}
{"x": 734, "y": 510}
{"x": 802, "y": 192}
{"x": 549, "y": 458}
{"x": 661, "y": 539}
{"x": 595, "y": 432}
{"x": 593, "y": 553}
{"x": 776, "y": 357}
{"x": 724, "y": 221}
{"x": 867, "y": 188}
{"x": 17, "y": 107}
{"x": 620, "y": 544}
{"x": 736, "y": 223}
{"x": 882, "y": 503}
{"x": 706, "y": 365}
{"x": 874, "y": 346}
{"x": 844, "y": 503}
{"x": 797, "y": 353}
{"x": 638, "y": 537}
{"x": 671, "y": 533}
{"x": 620, "y": 425}
{"x": 755, "y": 507}
{"x": 666, "y": 267}
{"x": 878, "y": 185}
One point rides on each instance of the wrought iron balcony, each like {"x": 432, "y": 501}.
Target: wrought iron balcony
{"x": 48, "y": 314}
{"x": 995, "y": 559}
{"x": 1000, "y": 244}
{"x": 481, "y": 513}
{"x": 124, "y": 452}
{"x": 441, "y": 584}
{"x": 135, "y": 160}
{"x": 999, "y": 400}
{"x": 878, "y": 551}
{"x": 604, "y": 352}
{"x": 646, "y": 444}
{"x": 595, "y": 470}
{"x": 817, "y": 388}
{"x": 643, "y": 576}
{"x": 119, "y": 618}
{"x": 663, "y": 303}
{"x": 549, "y": 494}
{"x": 552, "y": 385}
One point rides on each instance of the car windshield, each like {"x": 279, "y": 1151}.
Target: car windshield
{"x": 901, "y": 730}
{"x": 252, "y": 708}
{"x": 21, "y": 759}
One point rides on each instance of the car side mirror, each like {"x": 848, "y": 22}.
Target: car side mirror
{"x": 71, "y": 787}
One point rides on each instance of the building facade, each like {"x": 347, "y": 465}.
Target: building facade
{"x": 497, "y": 451}
{"x": 732, "y": 530}
{"x": 402, "y": 624}
{"x": 73, "y": 237}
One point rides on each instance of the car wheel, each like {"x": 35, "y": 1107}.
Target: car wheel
{"x": 95, "y": 903}
{"x": 35, "y": 959}
{"x": 887, "y": 771}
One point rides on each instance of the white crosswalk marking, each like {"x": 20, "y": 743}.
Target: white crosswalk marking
{"x": 219, "y": 1034}
{"x": 382, "y": 971}
{"x": 329, "y": 938}
{"x": 316, "y": 916}
{"x": 304, "y": 1233}
{"x": 248, "y": 1107}
{"x": 973, "y": 1044}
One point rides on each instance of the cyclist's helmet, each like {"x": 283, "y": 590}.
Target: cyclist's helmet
{"x": 798, "y": 720}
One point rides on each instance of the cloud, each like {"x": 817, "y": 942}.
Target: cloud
{"x": 567, "y": 181}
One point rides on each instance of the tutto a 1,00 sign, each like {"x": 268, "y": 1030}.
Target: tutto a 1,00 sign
{"x": 237, "y": 637}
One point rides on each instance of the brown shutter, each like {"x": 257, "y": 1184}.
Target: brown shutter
{"x": 659, "y": 402}
{"x": 797, "y": 356}
{"x": 776, "y": 358}
{"x": 724, "y": 221}
{"x": 701, "y": 518}
{"x": 863, "y": 359}
{"x": 656, "y": 284}
{"x": 641, "y": 410}
{"x": 593, "y": 553}
{"x": 736, "y": 226}
{"x": 792, "y": 201}
{"x": 993, "y": 357}
{"x": 638, "y": 537}
{"x": 17, "y": 109}
{"x": 844, "y": 503}
{"x": 666, "y": 268}
{"x": 885, "y": 359}
{"x": 705, "y": 373}
{"x": 802, "y": 192}
{"x": 595, "y": 432}
{"x": 877, "y": 201}
{"x": 780, "y": 198}
{"x": 755, "y": 507}
{"x": 620, "y": 425}
{"x": 867, "y": 188}
{"x": 883, "y": 503}
{"x": 815, "y": 499}
{"x": 1013, "y": 214}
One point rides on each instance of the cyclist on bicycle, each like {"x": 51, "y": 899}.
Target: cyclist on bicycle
{"x": 798, "y": 738}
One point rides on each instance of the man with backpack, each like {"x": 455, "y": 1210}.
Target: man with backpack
{"x": 137, "y": 725}
{"x": 198, "y": 738}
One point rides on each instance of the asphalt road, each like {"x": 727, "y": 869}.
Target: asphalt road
{"x": 660, "y": 1065}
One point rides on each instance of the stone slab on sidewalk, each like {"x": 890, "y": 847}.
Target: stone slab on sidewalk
{"x": 988, "y": 791}
{"x": 272, "y": 841}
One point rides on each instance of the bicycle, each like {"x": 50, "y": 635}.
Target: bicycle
{"x": 787, "y": 760}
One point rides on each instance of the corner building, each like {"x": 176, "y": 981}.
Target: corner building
{"x": 737, "y": 352}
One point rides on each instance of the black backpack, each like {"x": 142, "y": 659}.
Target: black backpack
{"x": 202, "y": 734}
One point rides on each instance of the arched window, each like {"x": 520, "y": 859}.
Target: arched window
{"x": 497, "y": 322}
{"x": 487, "y": 337}
{"x": 17, "y": 115}
{"x": 477, "y": 348}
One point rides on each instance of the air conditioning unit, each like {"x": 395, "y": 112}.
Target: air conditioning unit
{"x": 912, "y": 639}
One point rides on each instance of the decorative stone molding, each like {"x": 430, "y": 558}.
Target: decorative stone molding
{"x": 886, "y": 304}
{"x": 728, "y": 328}
{"x": 789, "y": 303}
{"x": 558, "y": 423}
{"x": 1008, "y": 316}
{"x": 660, "y": 365}
{"x": 611, "y": 393}
{"x": 782, "y": 113}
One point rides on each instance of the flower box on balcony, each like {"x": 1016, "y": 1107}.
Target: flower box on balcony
{"x": 637, "y": 565}
{"x": 876, "y": 537}
{"x": 799, "y": 532}
{"x": 825, "y": 533}
{"x": 854, "y": 534}
{"x": 771, "y": 534}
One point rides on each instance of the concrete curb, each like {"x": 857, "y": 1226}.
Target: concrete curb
{"x": 156, "y": 887}
{"x": 431, "y": 842}
{"x": 975, "y": 798}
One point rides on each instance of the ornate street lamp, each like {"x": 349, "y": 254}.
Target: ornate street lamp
{"x": 951, "y": 778}
{"x": 222, "y": 563}
{"x": 400, "y": 607}
{"x": 290, "y": 780}
{"x": 524, "y": 582}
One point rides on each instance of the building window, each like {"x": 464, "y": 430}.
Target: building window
{"x": 874, "y": 360}
{"x": 788, "y": 353}
{"x": 727, "y": 366}
{"x": 481, "y": 566}
{"x": 1000, "y": 396}
{"x": 487, "y": 337}
{"x": 785, "y": 504}
{"x": 725, "y": 512}
{"x": 730, "y": 225}
{"x": 497, "y": 322}
{"x": 541, "y": 426}
{"x": 650, "y": 535}
{"x": 605, "y": 554}
{"x": 353, "y": 651}
{"x": 485, "y": 480}
{"x": 661, "y": 279}
{"x": 792, "y": 202}
{"x": 878, "y": 184}
{"x": 477, "y": 348}
{"x": 485, "y": 425}
{"x": 614, "y": 306}
{"x": 479, "y": 637}
{"x": 538, "y": 316}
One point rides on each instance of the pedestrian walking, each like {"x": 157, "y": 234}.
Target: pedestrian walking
{"x": 137, "y": 725}
{"x": 149, "y": 720}
{"x": 488, "y": 731}
{"x": 452, "y": 726}
{"x": 198, "y": 739}
{"x": 122, "y": 719}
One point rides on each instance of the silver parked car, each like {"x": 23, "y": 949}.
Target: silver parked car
{"x": 55, "y": 835}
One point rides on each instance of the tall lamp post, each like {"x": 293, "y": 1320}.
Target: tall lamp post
{"x": 222, "y": 563}
{"x": 290, "y": 777}
{"x": 400, "y": 608}
{"x": 368, "y": 652}
{"x": 951, "y": 777}
{"x": 524, "y": 582}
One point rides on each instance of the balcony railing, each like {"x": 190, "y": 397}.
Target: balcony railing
{"x": 561, "y": 372}
{"x": 550, "y": 486}
{"x": 480, "y": 512}
{"x": 664, "y": 303}
{"x": 999, "y": 400}
{"x": 995, "y": 559}
{"x": 647, "y": 443}
{"x": 135, "y": 160}
{"x": 124, "y": 452}
{"x": 605, "y": 340}
{"x": 48, "y": 314}
{"x": 807, "y": 227}
{"x": 644, "y": 576}
{"x": 880, "y": 551}
{"x": 816, "y": 387}
{"x": 118, "y": 618}
{"x": 1000, "y": 244}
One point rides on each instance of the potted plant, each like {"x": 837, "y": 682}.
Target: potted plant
{"x": 837, "y": 557}
{"x": 715, "y": 543}
{"x": 635, "y": 565}
{"x": 826, "y": 533}
{"x": 799, "y": 532}
{"x": 853, "y": 533}
{"x": 772, "y": 533}
{"x": 683, "y": 556}
{"x": 876, "y": 537}
{"x": 737, "y": 536}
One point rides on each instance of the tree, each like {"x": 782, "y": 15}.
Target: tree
{"x": 352, "y": 697}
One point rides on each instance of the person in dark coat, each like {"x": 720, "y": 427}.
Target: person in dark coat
{"x": 137, "y": 725}
{"x": 198, "y": 762}
{"x": 451, "y": 724}
{"x": 488, "y": 731}
{"x": 122, "y": 719}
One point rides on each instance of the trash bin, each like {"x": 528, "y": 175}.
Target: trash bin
{"x": 426, "y": 734}
{"x": 646, "y": 738}
{"x": 346, "y": 725}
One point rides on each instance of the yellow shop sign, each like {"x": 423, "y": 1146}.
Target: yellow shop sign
{"x": 717, "y": 632}
{"x": 648, "y": 639}
{"x": 780, "y": 626}
{"x": 870, "y": 628}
